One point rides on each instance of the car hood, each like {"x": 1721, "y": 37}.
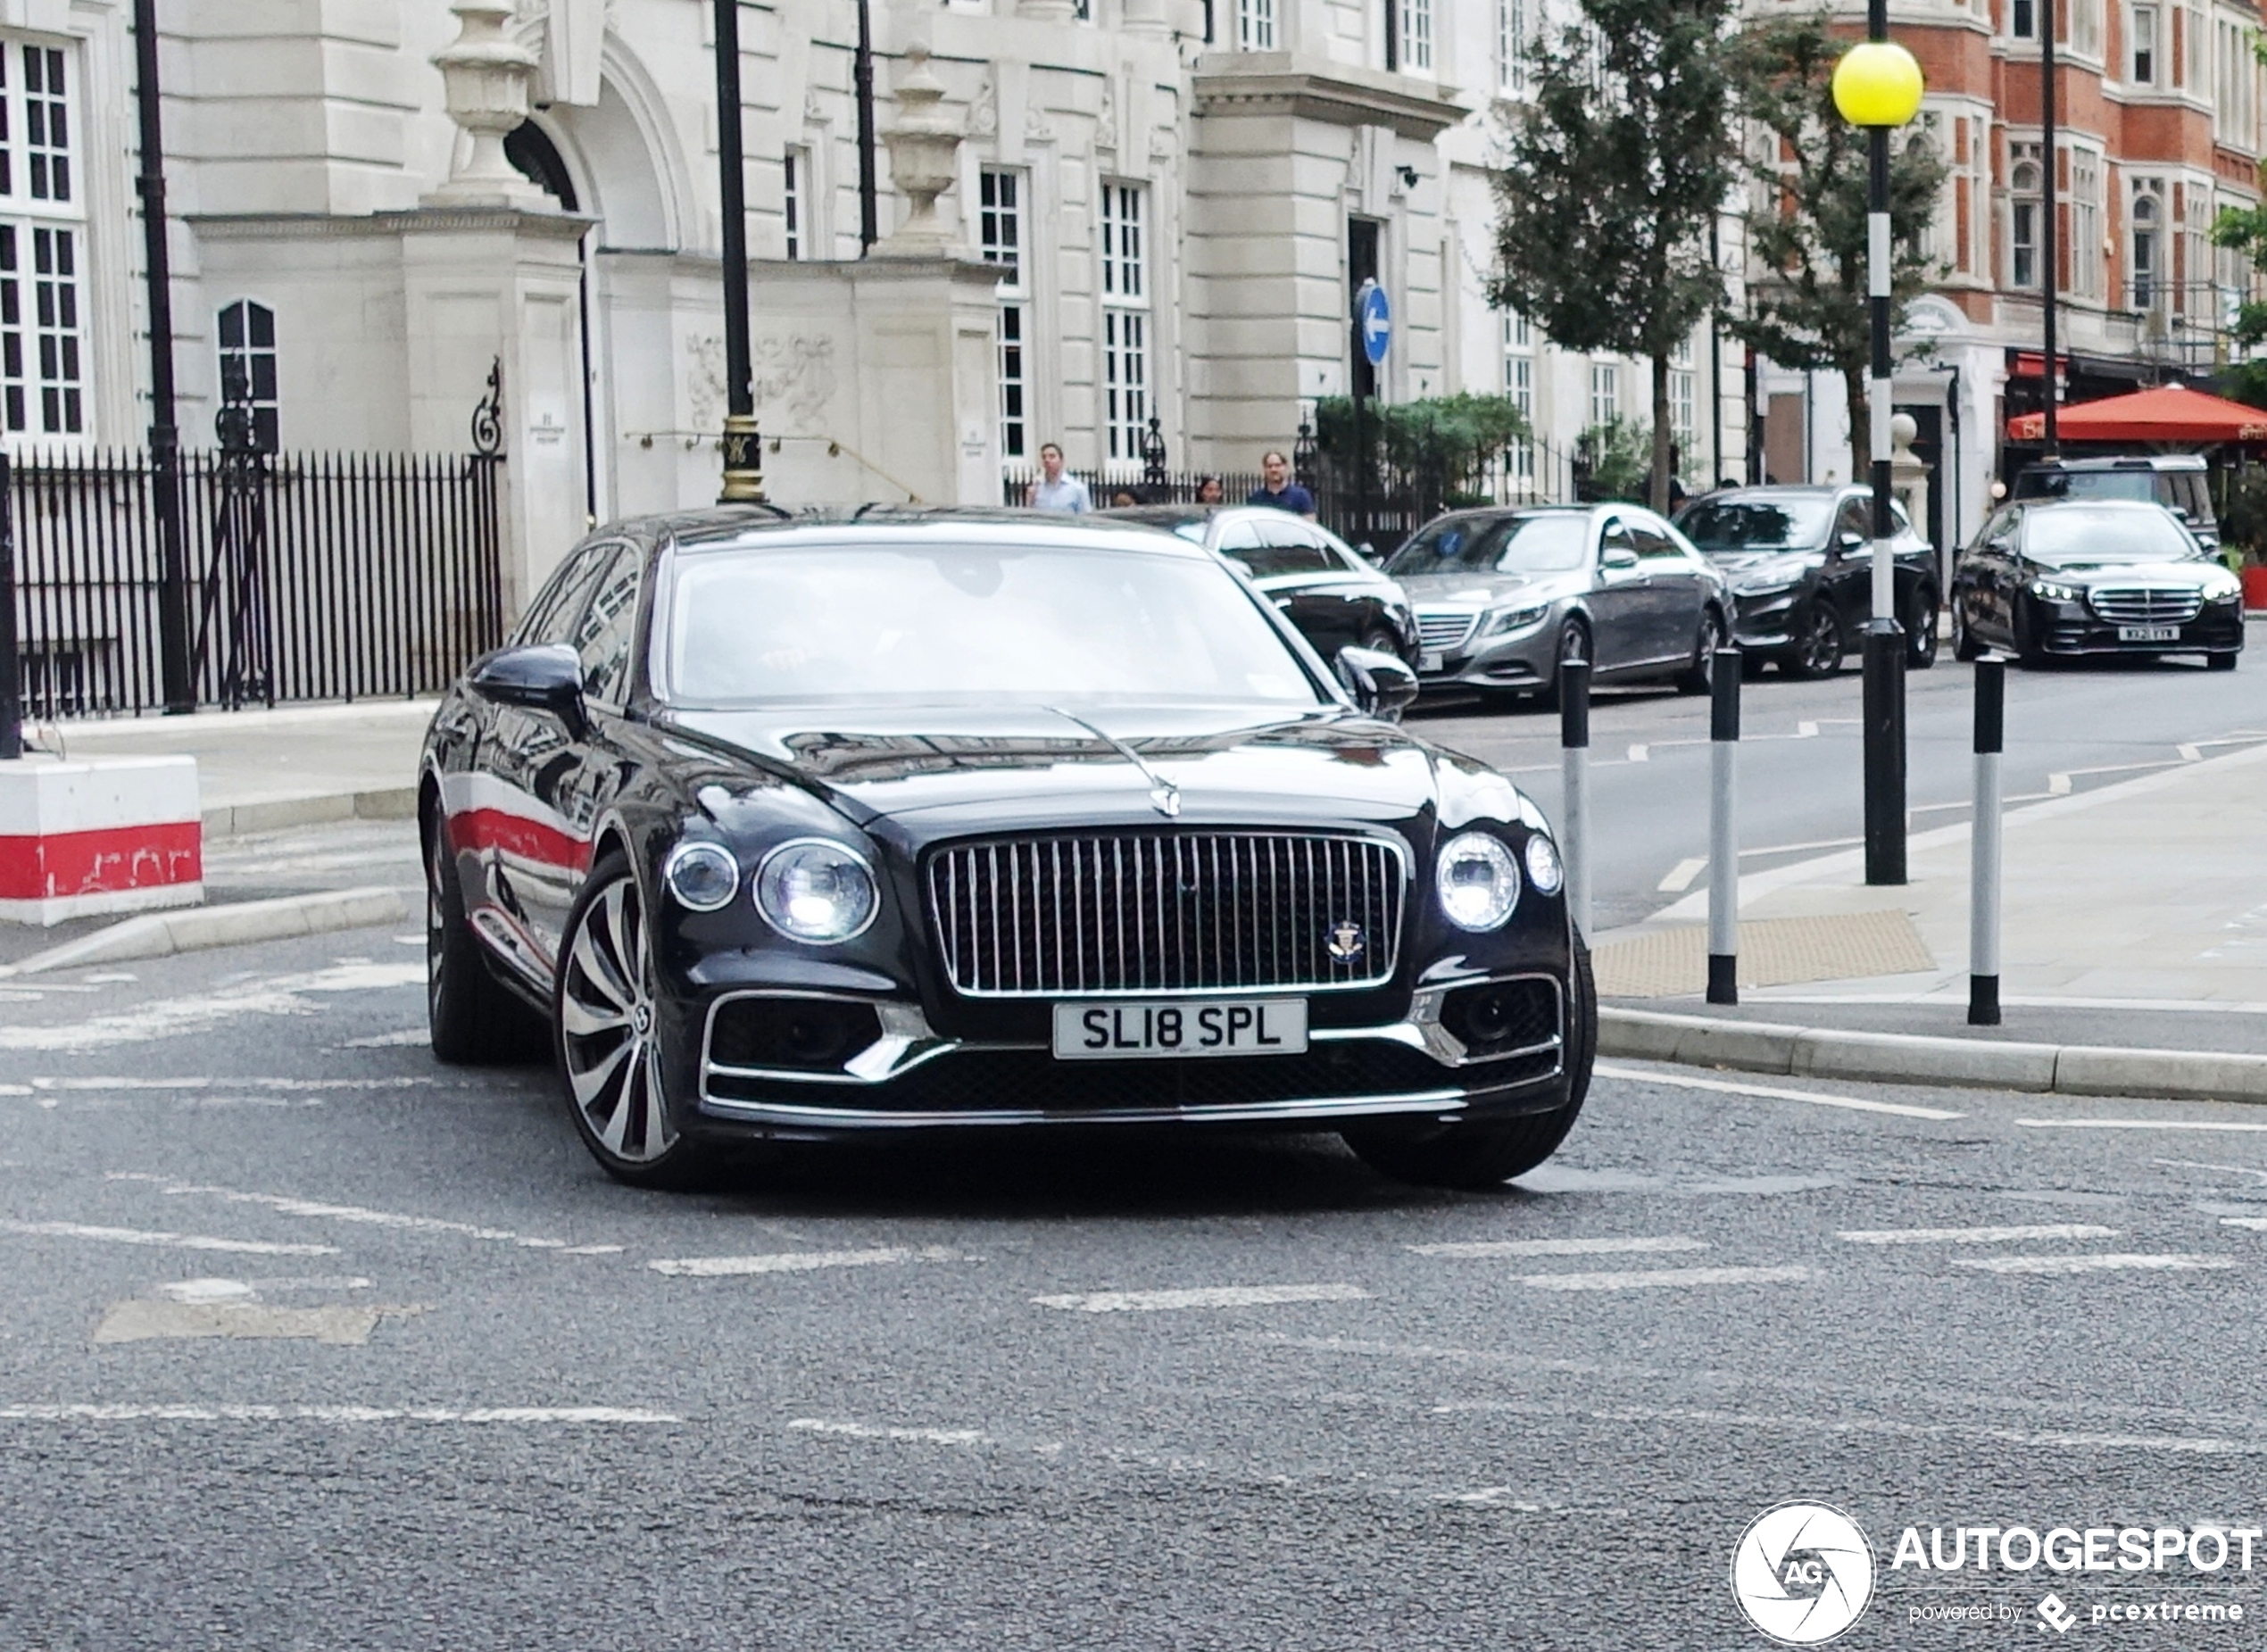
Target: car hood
{"x": 944, "y": 771}
{"x": 1481, "y": 590}
{"x": 2081, "y": 572}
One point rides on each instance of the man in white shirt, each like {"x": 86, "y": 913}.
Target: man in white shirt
{"x": 1054, "y": 490}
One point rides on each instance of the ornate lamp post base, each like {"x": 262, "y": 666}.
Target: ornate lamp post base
{"x": 742, "y": 461}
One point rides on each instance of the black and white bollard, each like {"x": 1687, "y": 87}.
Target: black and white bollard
{"x": 1724, "y": 829}
{"x": 1575, "y": 769}
{"x": 1983, "y": 844}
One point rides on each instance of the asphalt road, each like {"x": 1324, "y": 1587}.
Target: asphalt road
{"x": 1801, "y": 773}
{"x": 307, "y": 1342}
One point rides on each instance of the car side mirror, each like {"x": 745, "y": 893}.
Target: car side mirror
{"x": 1382, "y": 683}
{"x": 1849, "y": 542}
{"x": 1367, "y": 551}
{"x": 543, "y": 677}
{"x": 1618, "y": 556}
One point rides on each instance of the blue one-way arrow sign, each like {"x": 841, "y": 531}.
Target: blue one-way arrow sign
{"x": 1374, "y": 319}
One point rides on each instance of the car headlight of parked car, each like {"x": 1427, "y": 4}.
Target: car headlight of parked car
{"x": 816, "y": 890}
{"x": 1515, "y": 619}
{"x": 2231, "y": 592}
{"x": 703, "y": 877}
{"x": 2053, "y": 591}
{"x": 1478, "y": 880}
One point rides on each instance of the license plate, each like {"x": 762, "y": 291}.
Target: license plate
{"x": 2148, "y": 634}
{"x": 1219, "y": 1026}
{"x": 1430, "y": 661}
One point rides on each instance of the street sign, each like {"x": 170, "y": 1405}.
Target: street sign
{"x": 1374, "y": 320}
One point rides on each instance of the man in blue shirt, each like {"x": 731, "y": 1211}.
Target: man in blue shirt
{"x": 1279, "y": 490}
{"x": 1055, "y": 489}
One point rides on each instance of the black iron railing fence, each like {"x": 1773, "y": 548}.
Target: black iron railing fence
{"x": 308, "y": 576}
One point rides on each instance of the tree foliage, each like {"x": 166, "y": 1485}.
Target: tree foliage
{"x": 1614, "y": 176}
{"x": 1806, "y": 239}
{"x": 1444, "y": 442}
{"x": 1621, "y": 456}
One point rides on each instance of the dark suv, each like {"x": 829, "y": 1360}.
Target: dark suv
{"x": 1800, "y": 561}
{"x": 2177, "y": 481}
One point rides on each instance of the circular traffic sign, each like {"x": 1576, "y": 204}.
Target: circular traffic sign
{"x": 1374, "y": 321}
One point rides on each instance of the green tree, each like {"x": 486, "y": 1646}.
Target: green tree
{"x": 1621, "y": 453}
{"x": 1807, "y": 305}
{"x": 1439, "y": 444}
{"x": 1613, "y": 176}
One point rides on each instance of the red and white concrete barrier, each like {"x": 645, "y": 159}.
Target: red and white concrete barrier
{"x": 116, "y": 834}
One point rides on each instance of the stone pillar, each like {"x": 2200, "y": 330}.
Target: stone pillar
{"x": 924, "y": 144}
{"x": 486, "y": 74}
{"x": 1908, "y": 476}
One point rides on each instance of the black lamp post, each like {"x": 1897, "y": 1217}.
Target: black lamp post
{"x": 165, "y": 438}
{"x": 870, "y": 209}
{"x": 1878, "y": 86}
{"x": 742, "y": 442}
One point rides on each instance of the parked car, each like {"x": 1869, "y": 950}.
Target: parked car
{"x": 1336, "y": 598}
{"x": 2094, "y": 577}
{"x": 1504, "y": 596}
{"x": 2177, "y": 481}
{"x": 839, "y": 826}
{"x": 1800, "y": 561}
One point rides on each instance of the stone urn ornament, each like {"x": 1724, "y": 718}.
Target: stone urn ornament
{"x": 924, "y": 144}
{"x": 487, "y": 74}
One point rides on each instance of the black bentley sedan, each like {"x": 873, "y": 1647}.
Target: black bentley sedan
{"x": 2094, "y": 577}
{"x": 1324, "y": 586}
{"x": 1800, "y": 561}
{"x": 823, "y": 826}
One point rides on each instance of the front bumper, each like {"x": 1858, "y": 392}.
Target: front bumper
{"x": 1511, "y": 659}
{"x": 1764, "y": 622}
{"x": 2072, "y": 628}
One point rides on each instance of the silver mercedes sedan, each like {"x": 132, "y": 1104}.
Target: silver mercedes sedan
{"x": 1505, "y": 595}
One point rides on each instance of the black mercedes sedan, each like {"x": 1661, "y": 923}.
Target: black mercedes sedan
{"x": 818, "y": 827}
{"x": 1322, "y": 584}
{"x": 2049, "y": 577}
{"x": 1800, "y": 561}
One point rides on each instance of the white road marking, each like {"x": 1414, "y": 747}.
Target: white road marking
{"x": 408, "y": 1038}
{"x": 2110, "y": 1262}
{"x": 792, "y": 1261}
{"x": 15, "y": 1090}
{"x": 2134, "y": 1124}
{"x": 172, "y": 1241}
{"x": 1555, "y": 1247}
{"x": 875, "y": 1431}
{"x": 1806, "y": 731}
{"x": 1901, "y": 1110}
{"x": 248, "y": 1290}
{"x": 1974, "y": 1235}
{"x": 2257, "y": 1225}
{"x": 2058, "y": 785}
{"x": 1681, "y": 877}
{"x": 1640, "y": 754}
{"x": 1672, "y": 1278}
{"x": 2253, "y": 1171}
{"x": 2190, "y": 754}
{"x": 166, "y": 1017}
{"x": 1491, "y": 1496}
{"x": 524, "y": 1415}
{"x": 1200, "y": 1296}
{"x": 358, "y": 1214}
{"x": 112, "y": 977}
{"x": 141, "y": 1320}
{"x": 287, "y": 1084}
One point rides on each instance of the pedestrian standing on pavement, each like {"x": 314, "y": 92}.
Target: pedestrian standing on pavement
{"x": 1055, "y": 489}
{"x": 1278, "y": 490}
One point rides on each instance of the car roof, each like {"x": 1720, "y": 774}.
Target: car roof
{"x": 2032, "y": 506}
{"x": 2120, "y": 461}
{"x": 1781, "y": 490}
{"x": 770, "y": 528}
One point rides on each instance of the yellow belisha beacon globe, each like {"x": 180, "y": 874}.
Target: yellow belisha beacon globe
{"x": 1878, "y": 83}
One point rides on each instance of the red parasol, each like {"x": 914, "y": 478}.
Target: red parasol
{"x": 2171, "y": 414}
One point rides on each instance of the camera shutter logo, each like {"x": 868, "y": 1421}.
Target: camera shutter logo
{"x": 1802, "y": 1573}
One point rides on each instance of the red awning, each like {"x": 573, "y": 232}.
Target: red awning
{"x": 2172, "y": 413}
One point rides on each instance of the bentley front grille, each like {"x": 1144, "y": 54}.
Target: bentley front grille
{"x": 1167, "y": 912}
{"x": 2146, "y": 605}
{"x": 1439, "y": 630}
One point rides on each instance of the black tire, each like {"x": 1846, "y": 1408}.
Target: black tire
{"x": 2221, "y": 662}
{"x": 605, "y": 979}
{"x": 1818, "y": 644}
{"x": 2029, "y": 654}
{"x": 1752, "y": 664}
{"x": 1699, "y": 677}
{"x": 1385, "y": 642}
{"x": 1920, "y": 631}
{"x": 1484, "y": 1155}
{"x": 1964, "y": 646}
{"x": 473, "y": 1018}
{"x": 1574, "y": 644}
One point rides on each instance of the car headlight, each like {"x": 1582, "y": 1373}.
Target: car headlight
{"x": 1763, "y": 587}
{"x": 1544, "y": 869}
{"x": 816, "y": 889}
{"x": 703, "y": 877}
{"x": 2053, "y": 591}
{"x": 1513, "y": 619}
{"x": 1478, "y": 881}
{"x": 2223, "y": 593}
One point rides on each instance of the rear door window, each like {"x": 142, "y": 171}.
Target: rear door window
{"x": 1285, "y": 549}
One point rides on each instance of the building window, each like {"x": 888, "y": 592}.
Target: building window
{"x": 2145, "y": 230}
{"x": 247, "y": 333}
{"x": 46, "y": 124}
{"x": 795, "y": 179}
{"x": 1511, "y": 48}
{"x": 2144, "y": 46}
{"x": 1519, "y": 384}
{"x": 1256, "y": 25}
{"x": 2086, "y": 26}
{"x": 2233, "y": 98}
{"x": 1125, "y": 322}
{"x": 1417, "y": 33}
{"x": 42, "y": 343}
{"x": 1605, "y": 393}
{"x": 999, "y": 239}
{"x": 2022, "y": 217}
{"x": 2086, "y": 223}
{"x": 2022, "y": 19}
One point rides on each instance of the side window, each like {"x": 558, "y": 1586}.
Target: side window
{"x": 1344, "y": 555}
{"x": 1617, "y": 538}
{"x": 1855, "y": 516}
{"x": 1289, "y": 547}
{"x": 552, "y": 613}
{"x": 604, "y": 637}
{"x": 1902, "y": 522}
{"x": 1653, "y": 541}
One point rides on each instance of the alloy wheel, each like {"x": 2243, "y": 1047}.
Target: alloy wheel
{"x": 606, "y": 1024}
{"x": 436, "y": 937}
{"x": 1821, "y": 647}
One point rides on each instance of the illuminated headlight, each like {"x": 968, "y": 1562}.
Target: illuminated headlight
{"x": 2053, "y": 590}
{"x": 1478, "y": 880}
{"x": 2230, "y": 593}
{"x": 816, "y": 890}
{"x": 1544, "y": 869}
{"x": 703, "y": 877}
{"x": 1514, "y": 620}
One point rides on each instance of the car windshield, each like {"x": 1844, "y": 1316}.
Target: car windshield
{"x": 1736, "y": 525}
{"x": 871, "y": 624}
{"x": 2060, "y": 536}
{"x": 1543, "y": 543}
{"x": 2139, "y": 484}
